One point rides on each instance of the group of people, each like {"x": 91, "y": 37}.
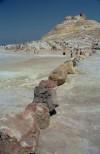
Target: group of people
{"x": 74, "y": 52}
{"x": 81, "y": 54}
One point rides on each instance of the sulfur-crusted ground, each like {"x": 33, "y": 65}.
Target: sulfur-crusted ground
{"x": 75, "y": 129}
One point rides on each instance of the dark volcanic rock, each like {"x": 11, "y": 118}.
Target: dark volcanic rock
{"x": 45, "y": 93}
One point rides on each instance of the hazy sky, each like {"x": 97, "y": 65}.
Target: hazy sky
{"x": 23, "y": 20}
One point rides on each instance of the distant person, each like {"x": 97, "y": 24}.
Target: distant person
{"x": 81, "y": 53}
{"x": 71, "y": 54}
{"x": 81, "y": 14}
{"x": 54, "y": 48}
{"x": 76, "y": 53}
{"x": 64, "y": 53}
{"x": 34, "y": 50}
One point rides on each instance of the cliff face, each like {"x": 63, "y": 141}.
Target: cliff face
{"x": 74, "y": 26}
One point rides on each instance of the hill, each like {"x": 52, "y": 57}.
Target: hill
{"x": 74, "y": 26}
{"x": 74, "y": 31}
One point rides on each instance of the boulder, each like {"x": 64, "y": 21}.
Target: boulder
{"x": 18, "y": 134}
{"x": 59, "y": 75}
{"x": 70, "y": 66}
{"x": 45, "y": 93}
{"x": 41, "y": 113}
{"x": 48, "y": 84}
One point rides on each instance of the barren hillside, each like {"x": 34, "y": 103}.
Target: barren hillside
{"x": 74, "y": 26}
